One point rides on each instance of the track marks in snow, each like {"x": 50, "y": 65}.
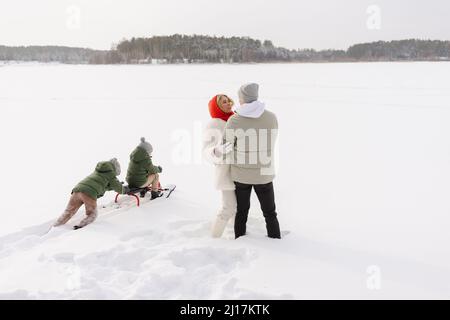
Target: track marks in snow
{"x": 137, "y": 269}
{"x": 171, "y": 259}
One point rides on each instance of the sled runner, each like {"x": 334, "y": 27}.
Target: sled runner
{"x": 134, "y": 192}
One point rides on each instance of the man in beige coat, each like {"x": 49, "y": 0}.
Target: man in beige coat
{"x": 253, "y": 131}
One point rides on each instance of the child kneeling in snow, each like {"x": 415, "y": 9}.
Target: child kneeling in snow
{"x": 90, "y": 189}
{"x": 141, "y": 171}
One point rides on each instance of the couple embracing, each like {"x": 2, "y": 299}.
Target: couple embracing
{"x": 240, "y": 144}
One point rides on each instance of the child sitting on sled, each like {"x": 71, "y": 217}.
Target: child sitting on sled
{"x": 141, "y": 171}
{"x": 103, "y": 179}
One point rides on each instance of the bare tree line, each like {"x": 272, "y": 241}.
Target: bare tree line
{"x": 206, "y": 49}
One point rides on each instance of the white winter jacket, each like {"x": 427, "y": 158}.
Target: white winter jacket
{"x": 213, "y": 137}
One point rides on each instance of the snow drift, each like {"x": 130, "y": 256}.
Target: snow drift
{"x": 362, "y": 185}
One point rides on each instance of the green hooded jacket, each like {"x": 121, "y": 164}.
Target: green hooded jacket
{"x": 140, "y": 168}
{"x": 101, "y": 180}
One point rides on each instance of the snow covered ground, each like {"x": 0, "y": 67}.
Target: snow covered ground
{"x": 362, "y": 189}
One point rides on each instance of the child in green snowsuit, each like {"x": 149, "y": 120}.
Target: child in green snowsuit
{"x": 103, "y": 179}
{"x": 141, "y": 171}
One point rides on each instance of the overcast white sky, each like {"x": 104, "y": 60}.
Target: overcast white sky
{"x": 289, "y": 23}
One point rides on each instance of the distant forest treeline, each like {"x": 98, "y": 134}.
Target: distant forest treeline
{"x": 206, "y": 49}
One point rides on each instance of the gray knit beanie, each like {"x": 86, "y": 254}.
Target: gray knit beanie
{"x": 248, "y": 92}
{"x": 116, "y": 165}
{"x": 146, "y": 146}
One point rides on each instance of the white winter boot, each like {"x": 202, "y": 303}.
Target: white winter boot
{"x": 219, "y": 227}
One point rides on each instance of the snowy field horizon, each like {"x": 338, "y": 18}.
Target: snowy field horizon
{"x": 362, "y": 186}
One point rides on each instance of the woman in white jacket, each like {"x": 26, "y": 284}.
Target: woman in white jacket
{"x": 220, "y": 109}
